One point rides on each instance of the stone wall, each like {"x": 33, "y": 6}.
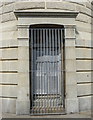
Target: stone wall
{"x": 9, "y": 49}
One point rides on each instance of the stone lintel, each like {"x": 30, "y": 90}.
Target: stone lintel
{"x": 46, "y": 13}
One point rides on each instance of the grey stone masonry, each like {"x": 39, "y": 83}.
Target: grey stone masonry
{"x": 23, "y": 101}
{"x": 71, "y": 100}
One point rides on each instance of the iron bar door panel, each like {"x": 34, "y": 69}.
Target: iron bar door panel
{"x": 47, "y": 70}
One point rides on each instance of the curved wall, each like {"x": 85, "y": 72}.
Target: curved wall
{"x": 9, "y": 49}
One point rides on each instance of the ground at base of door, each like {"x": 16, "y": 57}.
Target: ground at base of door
{"x": 76, "y": 115}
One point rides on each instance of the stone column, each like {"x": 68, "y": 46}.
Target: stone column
{"x": 23, "y": 100}
{"x": 71, "y": 101}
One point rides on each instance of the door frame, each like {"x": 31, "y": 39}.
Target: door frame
{"x": 27, "y": 18}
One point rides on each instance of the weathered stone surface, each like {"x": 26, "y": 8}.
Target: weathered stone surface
{"x": 9, "y": 90}
{"x": 52, "y": 0}
{"x": 83, "y": 53}
{"x": 8, "y": 17}
{"x": 23, "y": 53}
{"x": 23, "y": 65}
{"x": 83, "y": 9}
{"x": 69, "y": 33}
{"x": 9, "y": 78}
{"x": 23, "y": 92}
{"x": 22, "y": 42}
{"x": 72, "y": 105}
{"x": 9, "y": 35}
{"x": 84, "y": 103}
{"x": 84, "y": 43}
{"x": 8, "y": 105}
{"x": 84, "y": 35}
{"x": 1, "y": 4}
{"x": 0, "y": 10}
{"x": 71, "y": 78}
{"x": 69, "y": 42}
{"x": 83, "y": 18}
{"x": 82, "y": 26}
{"x": 8, "y": 26}
{"x": 23, "y": 33}
{"x": 70, "y": 65}
{"x": 9, "y": 43}
{"x": 84, "y": 89}
{"x": 10, "y": 53}
{"x": 83, "y": 64}
{"x": 88, "y": 5}
{"x": 26, "y": 5}
{"x": 0, "y": 54}
{"x": 8, "y": 2}
{"x": 22, "y": 107}
{"x": 7, "y": 8}
{"x": 70, "y": 52}
{"x": 1, "y": 107}
{"x": 24, "y": 80}
{"x": 69, "y": 93}
{"x": 60, "y": 5}
{"x": 83, "y": 77}
{"x": 84, "y": 29}
{"x": 9, "y": 65}
{"x": 44, "y": 20}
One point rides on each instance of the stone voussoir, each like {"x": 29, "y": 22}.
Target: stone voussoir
{"x": 60, "y": 5}
{"x": 27, "y": 5}
{"x": 8, "y": 8}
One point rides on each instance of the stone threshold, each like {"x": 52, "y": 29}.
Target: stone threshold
{"x": 76, "y": 115}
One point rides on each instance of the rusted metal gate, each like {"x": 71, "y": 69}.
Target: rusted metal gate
{"x": 47, "y": 84}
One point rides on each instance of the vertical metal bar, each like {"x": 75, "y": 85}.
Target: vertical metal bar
{"x": 50, "y": 47}
{"x": 59, "y": 60}
{"x": 35, "y": 69}
{"x": 56, "y": 41}
{"x": 31, "y": 71}
{"x": 41, "y": 69}
{"x": 44, "y": 67}
{"x": 62, "y": 82}
{"x": 39, "y": 64}
{"x": 47, "y": 68}
{"x": 39, "y": 81}
{"x": 53, "y": 44}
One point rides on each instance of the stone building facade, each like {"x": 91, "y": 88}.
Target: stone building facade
{"x": 15, "y": 83}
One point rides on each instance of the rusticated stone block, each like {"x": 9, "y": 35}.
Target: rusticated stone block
{"x": 85, "y": 103}
{"x": 9, "y": 90}
{"x": 83, "y": 77}
{"x": 9, "y": 78}
{"x": 8, "y": 17}
{"x": 84, "y": 89}
{"x": 72, "y": 105}
{"x": 8, "y": 65}
{"x": 60, "y": 5}
{"x": 83, "y": 53}
{"x": 25, "y": 5}
{"x": 10, "y": 53}
{"x": 23, "y": 107}
{"x": 7, "y": 8}
{"x": 23, "y": 53}
{"x": 9, "y": 105}
{"x": 83, "y": 64}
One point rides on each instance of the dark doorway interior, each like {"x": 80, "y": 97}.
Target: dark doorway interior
{"x": 46, "y": 69}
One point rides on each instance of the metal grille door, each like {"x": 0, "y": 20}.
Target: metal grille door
{"x": 47, "y": 94}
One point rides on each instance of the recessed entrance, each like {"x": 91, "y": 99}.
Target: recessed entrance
{"x": 46, "y": 66}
